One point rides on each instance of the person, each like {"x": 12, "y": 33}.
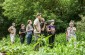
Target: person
{"x": 29, "y": 30}
{"x": 22, "y": 33}
{"x": 51, "y": 31}
{"x": 37, "y": 28}
{"x": 12, "y": 31}
{"x": 42, "y": 25}
{"x": 70, "y": 33}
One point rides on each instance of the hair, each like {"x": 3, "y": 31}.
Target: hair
{"x": 22, "y": 24}
{"x": 13, "y": 23}
{"x": 52, "y": 20}
{"x": 38, "y": 14}
{"x": 71, "y": 22}
{"x": 43, "y": 19}
{"x": 28, "y": 21}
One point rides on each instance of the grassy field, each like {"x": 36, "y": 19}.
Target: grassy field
{"x": 61, "y": 47}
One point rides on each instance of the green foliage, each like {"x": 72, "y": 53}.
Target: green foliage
{"x": 80, "y": 36}
{"x": 61, "y": 38}
{"x": 60, "y": 10}
{"x": 81, "y": 24}
{"x": 4, "y": 23}
{"x": 60, "y": 46}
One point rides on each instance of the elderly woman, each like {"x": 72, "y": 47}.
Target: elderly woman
{"x": 12, "y": 31}
{"x": 70, "y": 33}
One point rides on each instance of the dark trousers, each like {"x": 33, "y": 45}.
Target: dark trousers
{"x": 44, "y": 33}
{"x": 29, "y": 38}
{"x": 22, "y": 38}
{"x": 51, "y": 40}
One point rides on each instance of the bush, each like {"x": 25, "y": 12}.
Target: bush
{"x": 61, "y": 47}
{"x": 81, "y": 24}
{"x": 61, "y": 38}
{"x": 80, "y": 36}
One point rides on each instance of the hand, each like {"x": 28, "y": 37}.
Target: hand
{"x": 39, "y": 30}
{"x": 74, "y": 29}
{"x": 12, "y": 32}
{"x": 52, "y": 29}
{"x": 19, "y": 32}
{"x": 42, "y": 29}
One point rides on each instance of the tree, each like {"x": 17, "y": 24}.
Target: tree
{"x": 61, "y": 10}
{"x": 4, "y": 22}
{"x": 81, "y": 24}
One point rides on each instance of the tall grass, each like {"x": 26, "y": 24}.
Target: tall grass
{"x": 61, "y": 47}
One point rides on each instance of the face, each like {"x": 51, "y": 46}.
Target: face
{"x": 30, "y": 22}
{"x": 13, "y": 24}
{"x": 71, "y": 24}
{"x": 40, "y": 18}
{"x": 22, "y": 26}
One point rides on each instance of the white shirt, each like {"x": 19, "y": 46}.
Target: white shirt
{"x": 71, "y": 31}
{"x": 13, "y": 30}
{"x": 37, "y": 23}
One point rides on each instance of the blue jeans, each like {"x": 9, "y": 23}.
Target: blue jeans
{"x": 29, "y": 37}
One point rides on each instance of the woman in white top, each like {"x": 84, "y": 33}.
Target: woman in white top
{"x": 12, "y": 31}
{"x": 70, "y": 33}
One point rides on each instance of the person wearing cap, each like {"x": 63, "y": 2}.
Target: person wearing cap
{"x": 22, "y": 32}
{"x": 29, "y": 30}
{"x": 70, "y": 33}
{"x": 12, "y": 31}
{"x": 51, "y": 31}
{"x": 37, "y": 28}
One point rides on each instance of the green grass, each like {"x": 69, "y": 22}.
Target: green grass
{"x": 61, "y": 47}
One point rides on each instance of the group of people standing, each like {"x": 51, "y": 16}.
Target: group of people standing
{"x": 38, "y": 28}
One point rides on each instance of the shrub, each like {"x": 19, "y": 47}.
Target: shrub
{"x": 61, "y": 47}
